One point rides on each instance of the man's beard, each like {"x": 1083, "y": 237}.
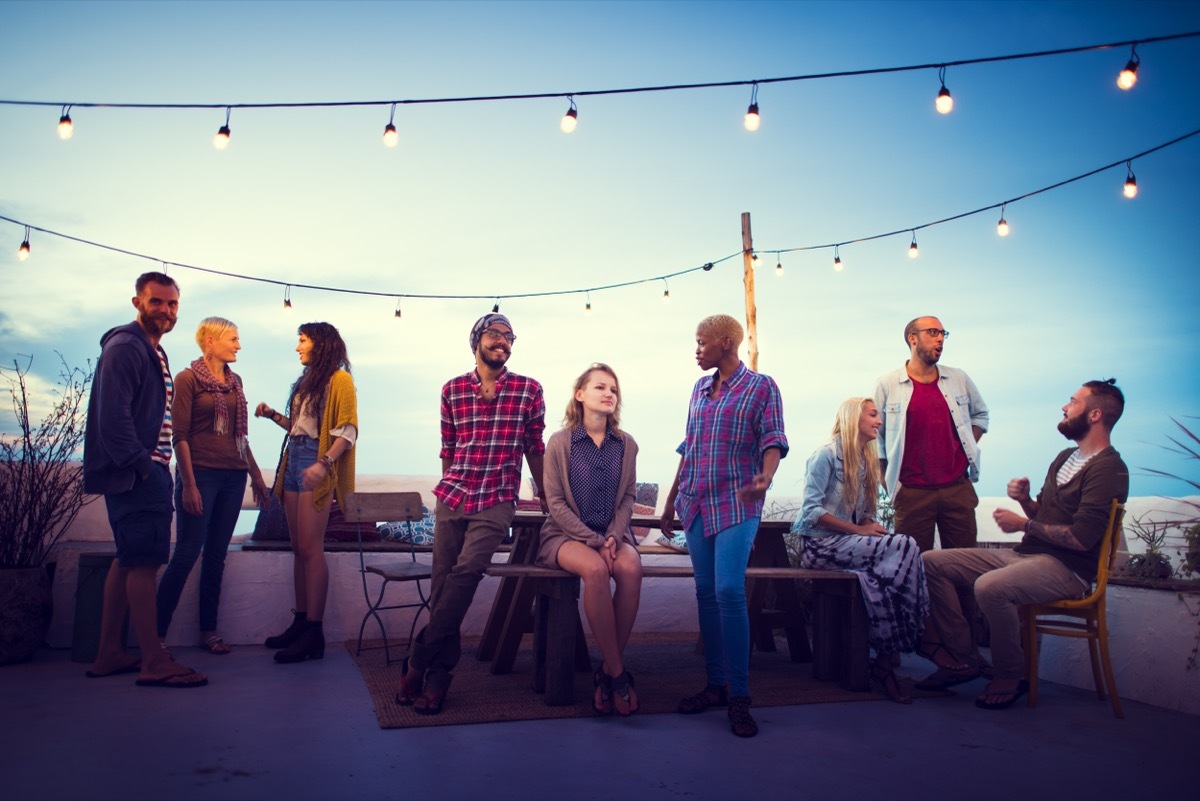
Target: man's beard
{"x": 929, "y": 356}
{"x": 159, "y": 325}
{"x": 1075, "y": 428}
{"x": 493, "y": 361}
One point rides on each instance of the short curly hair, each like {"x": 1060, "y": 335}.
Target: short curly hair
{"x": 721, "y": 326}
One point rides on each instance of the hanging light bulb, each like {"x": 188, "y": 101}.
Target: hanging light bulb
{"x": 752, "y": 120}
{"x": 287, "y": 297}
{"x": 65, "y": 127}
{"x": 390, "y": 137}
{"x": 23, "y": 251}
{"x": 912, "y": 249}
{"x": 1130, "y": 182}
{"x": 221, "y": 140}
{"x": 496, "y": 306}
{"x": 571, "y": 118}
{"x": 837, "y": 260}
{"x": 588, "y": 308}
{"x": 755, "y": 261}
{"x": 1128, "y": 76}
{"x": 1002, "y": 226}
{"x": 944, "y": 103}
{"x": 398, "y": 315}
{"x": 666, "y": 292}
{"x": 778, "y": 266}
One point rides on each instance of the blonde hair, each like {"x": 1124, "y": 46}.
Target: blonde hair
{"x": 213, "y": 327}
{"x": 574, "y": 415}
{"x": 856, "y": 455}
{"x": 721, "y": 326}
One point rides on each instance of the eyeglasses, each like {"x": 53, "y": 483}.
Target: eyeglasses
{"x": 496, "y": 333}
{"x": 933, "y": 332}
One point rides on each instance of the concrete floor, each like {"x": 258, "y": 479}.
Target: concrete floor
{"x": 308, "y": 731}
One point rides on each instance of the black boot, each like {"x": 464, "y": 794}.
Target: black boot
{"x": 291, "y": 634}
{"x": 309, "y": 645}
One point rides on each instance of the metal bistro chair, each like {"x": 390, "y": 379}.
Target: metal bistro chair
{"x": 381, "y": 507}
{"x": 1091, "y": 623}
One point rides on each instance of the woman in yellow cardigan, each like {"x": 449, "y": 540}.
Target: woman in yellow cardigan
{"x": 317, "y": 461}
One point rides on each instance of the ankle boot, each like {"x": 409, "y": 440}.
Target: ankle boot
{"x": 291, "y": 634}
{"x": 309, "y": 645}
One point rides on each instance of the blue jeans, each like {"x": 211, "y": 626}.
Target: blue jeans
{"x": 719, "y": 563}
{"x": 221, "y": 493}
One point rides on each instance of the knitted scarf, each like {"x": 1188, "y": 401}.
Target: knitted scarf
{"x": 218, "y": 389}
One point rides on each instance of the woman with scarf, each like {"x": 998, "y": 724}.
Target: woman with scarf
{"x": 317, "y": 461}
{"x": 208, "y": 423}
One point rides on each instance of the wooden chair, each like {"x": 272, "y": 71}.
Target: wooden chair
{"x": 380, "y": 507}
{"x": 1089, "y": 622}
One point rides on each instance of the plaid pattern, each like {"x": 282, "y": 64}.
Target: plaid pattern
{"x": 485, "y": 441}
{"x": 726, "y": 439}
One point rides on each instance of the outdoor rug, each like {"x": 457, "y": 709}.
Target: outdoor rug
{"x": 665, "y": 666}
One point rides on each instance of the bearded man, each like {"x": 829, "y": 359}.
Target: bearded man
{"x": 1057, "y": 557}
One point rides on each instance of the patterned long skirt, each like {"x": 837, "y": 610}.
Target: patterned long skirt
{"x": 892, "y": 577}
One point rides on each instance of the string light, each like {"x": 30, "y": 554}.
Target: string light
{"x": 837, "y": 260}
{"x": 912, "y": 249}
{"x": 390, "y": 137}
{"x": 1130, "y": 182}
{"x": 23, "y": 251}
{"x": 66, "y": 129}
{"x": 944, "y": 103}
{"x": 752, "y": 120}
{"x": 496, "y": 306}
{"x": 1002, "y": 226}
{"x": 287, "y": 296}
{"x": 778, "y": 266}
{"x": 571, "y": 118}
{"x": 588, "y": 308}
{"x": 666, "y": 291}
{"x": 1128, "y": 76}
{"x": 398, "y": 308}
{"x": 221, "y": 140}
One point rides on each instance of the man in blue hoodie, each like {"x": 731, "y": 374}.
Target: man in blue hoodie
{"x": 126, "y": 458}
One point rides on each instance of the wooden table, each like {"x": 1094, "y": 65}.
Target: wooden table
{"x": 511, "y": 615}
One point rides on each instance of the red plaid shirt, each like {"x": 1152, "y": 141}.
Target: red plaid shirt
{"x": 485, "y": 441}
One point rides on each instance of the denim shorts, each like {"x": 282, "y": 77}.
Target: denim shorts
{"x": 302, "y": 454}
{"x": 141, "y": 520}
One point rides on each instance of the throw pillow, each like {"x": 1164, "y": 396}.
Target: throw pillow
{"x": 338, "y": 530}
{"x": 422, "y": 530}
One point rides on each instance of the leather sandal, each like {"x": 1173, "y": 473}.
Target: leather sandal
{"x": 886, "y": 678}
{"x": 946, "y": 677}
{"x": 710, "y": 696}
{"x": 408, "y": 692}
{"x": 740, "y": 721}
{"x": 430, "y": 701}
{"x": 622, "y": 687}
{"x": 602, "y": 703}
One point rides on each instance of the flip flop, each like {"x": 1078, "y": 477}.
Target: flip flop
{"x": 136, "y": 667}
{"x": 1022, "y": 688}
{"x": 175, "y": 682}
{"x": 944, "y": 679}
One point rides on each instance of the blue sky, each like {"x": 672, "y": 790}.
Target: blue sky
{"x": 491, "y": 198}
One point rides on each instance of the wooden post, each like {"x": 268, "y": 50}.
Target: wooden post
{"x": 748, "y": 280}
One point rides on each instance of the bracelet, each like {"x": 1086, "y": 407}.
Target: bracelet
{"x": 325, "y": 460}
{"x": 276, "y": 416}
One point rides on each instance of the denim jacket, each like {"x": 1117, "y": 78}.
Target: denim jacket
{"x": 892, "y": 394}
{"x": 825, "y": 493}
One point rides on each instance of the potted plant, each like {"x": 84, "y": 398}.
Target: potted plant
{"x": 41, "y": 492}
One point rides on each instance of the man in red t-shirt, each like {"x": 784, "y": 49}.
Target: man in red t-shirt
{"x": 933, "y": 419}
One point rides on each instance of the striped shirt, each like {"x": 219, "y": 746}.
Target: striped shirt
{"x": 723, "y": 451}
{"x": 162, "y": 451}
{"x": 1073, "y": 465}
{"x": 485, "y": 440}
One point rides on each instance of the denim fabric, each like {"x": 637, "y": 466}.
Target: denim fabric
{"x": 719, "y": 564}
{"x": 892, "y": 394}
{"x": 221, "y": 493}
{"x": 301, "y": 455}
{"x": 825, "y": 493}
{"x": 141, "y": 519}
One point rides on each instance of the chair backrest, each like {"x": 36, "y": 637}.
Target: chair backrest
{"x": 383, "y": 507}
{"x": 1109, "y": 545}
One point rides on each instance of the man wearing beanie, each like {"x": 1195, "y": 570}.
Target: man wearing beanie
{"x": 491, "y": 418}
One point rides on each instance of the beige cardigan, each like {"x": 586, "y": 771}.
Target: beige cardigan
{"x": 564, "y": 524}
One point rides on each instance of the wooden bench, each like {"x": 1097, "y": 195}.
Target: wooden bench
{"x": 839, "y": 649}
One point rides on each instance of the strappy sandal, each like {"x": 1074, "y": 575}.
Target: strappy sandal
{"x": 621, "y": 687}
{"x": 946, "y": 676}
{"x": 710, "y": 696}
{"x": 740, "y": 721}
{"x": 215, "y": 645}
{"x": 431, "y": 700}
{"x": 602, "y": 703}
{"x": 886, "y": 678}
{"x": 407, "y": 692}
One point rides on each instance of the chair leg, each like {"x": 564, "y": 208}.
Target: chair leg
{"x": 1110, "y": 682}
{"x": 1029, "y": 633}
{"x": 1094, "y": 654}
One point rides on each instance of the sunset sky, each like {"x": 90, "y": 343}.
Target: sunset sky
{"x": 490, "y": 198}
